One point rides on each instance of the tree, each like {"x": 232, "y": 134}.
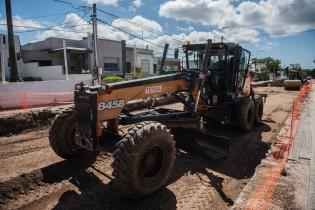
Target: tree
{"x": 264, "y": 73}
{"x": 272, "y": 65}
{"x": 295, "y": 66}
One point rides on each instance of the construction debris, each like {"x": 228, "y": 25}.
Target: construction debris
{"x": 273, "y": 83}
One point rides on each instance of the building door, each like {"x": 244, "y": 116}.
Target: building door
{"x": 74, "y": 64}
{"x": 145, "y": 66}
{"x": 128, "y": 67}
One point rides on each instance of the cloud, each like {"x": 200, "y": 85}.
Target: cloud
{"x": 107, "y": 2}
{"x": 206, "y": 12}
{"x": 137, "y": 3}
{"x": 142, "y": 22}
{"x": 272, "y": 16}
{"x": 185, "y": 29}
{"x": 81, "y": 29}
{"x": 19, "y": 21}
{"x": 266, "y": 46}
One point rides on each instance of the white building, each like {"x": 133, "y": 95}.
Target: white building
{"x": 44, "y": 60}
{"x": 80, "y": 55}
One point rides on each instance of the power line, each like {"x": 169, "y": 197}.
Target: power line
{"x": 271, "y": 34}
{"x": 47, "y": 29}
{"x": 135, "y": 36}
{"x": 50, "y": 15}
{"x": 143, "y": 27}
{"x": 72, "y": 5}
{"x": 178, "y": 39}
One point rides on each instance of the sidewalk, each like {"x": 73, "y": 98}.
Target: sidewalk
{"x": 297, "y": 188}
{"x": 304, "y": 152}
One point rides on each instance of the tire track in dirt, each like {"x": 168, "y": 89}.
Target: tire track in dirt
{"x": 24, "y": 143}
{"x": 8, "y": 154}
{"x": 36, "y": 188}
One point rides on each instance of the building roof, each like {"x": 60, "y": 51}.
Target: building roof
{"x": 75, "y": 49}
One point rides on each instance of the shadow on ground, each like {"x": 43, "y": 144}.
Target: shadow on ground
{"x": 247, "y": 152}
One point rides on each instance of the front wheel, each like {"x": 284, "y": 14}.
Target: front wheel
{"x": 62, "y": 132}
{"x": 144, "y": 159}
{"x": 259, "y": 110}
{"x": 245, "y": 114}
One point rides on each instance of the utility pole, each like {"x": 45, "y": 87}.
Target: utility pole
{"x": 142, "y": 38}
{"x": 123, "y": 57}
{"x": 222, "y": 38}
{"x": 14, "y": 74}
{"x": 96, "y": 73}
{"x": 65, "y": 58}
{"x": 2, "y": 59}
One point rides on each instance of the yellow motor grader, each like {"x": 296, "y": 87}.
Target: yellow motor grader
{"x": 216, "y": 85}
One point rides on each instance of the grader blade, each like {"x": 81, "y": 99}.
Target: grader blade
{"x": 202, "y": 142}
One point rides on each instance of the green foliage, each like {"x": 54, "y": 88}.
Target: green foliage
{"x": 264, "y": 73}
{"x": 272, "y": 65}
{"x": 311, "y": 73}
{"x": 295, "y": 66}
{"x": 112, "y": 79}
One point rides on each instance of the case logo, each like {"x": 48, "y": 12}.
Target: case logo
{"x": 155, "y": 89}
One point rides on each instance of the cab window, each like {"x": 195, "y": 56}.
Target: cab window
{"x": 244, "y": 61}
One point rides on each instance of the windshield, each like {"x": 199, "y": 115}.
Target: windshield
{"x": 194, "y": 59}
{"x": 217, "y": 60}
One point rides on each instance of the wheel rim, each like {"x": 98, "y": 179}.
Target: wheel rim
{"x": 152, "y": 162}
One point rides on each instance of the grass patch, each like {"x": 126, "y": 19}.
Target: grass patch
{"x": 112, "y": 79}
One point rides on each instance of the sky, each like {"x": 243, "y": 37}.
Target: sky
{"x": 283, "y": 29}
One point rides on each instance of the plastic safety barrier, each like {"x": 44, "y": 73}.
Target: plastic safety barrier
{"x": 26, "y": 99}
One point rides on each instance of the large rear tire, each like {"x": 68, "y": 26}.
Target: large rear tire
{"x": 259, "y": 110}
{"x": 61, "y": 134}
{"x": 143, "y": 160}
{"x": 245, "y": 114}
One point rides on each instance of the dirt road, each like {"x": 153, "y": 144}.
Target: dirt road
{"x": 33, "y": 177}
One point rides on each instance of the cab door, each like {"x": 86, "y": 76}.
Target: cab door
{"x": 243, "y": 68}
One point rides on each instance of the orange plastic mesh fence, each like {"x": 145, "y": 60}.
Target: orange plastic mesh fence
{"x": 25, "y": 100}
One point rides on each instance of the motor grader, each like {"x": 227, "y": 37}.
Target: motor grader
{"x": 213, "y": 85}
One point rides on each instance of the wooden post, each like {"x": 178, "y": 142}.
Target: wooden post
{"x": 14, "y": 74}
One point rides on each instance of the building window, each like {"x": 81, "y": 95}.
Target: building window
{"x": 145, "y": 65}
{"x": 111, "y": 64}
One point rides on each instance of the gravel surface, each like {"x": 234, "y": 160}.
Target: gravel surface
{"x": 33, "y": 177}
